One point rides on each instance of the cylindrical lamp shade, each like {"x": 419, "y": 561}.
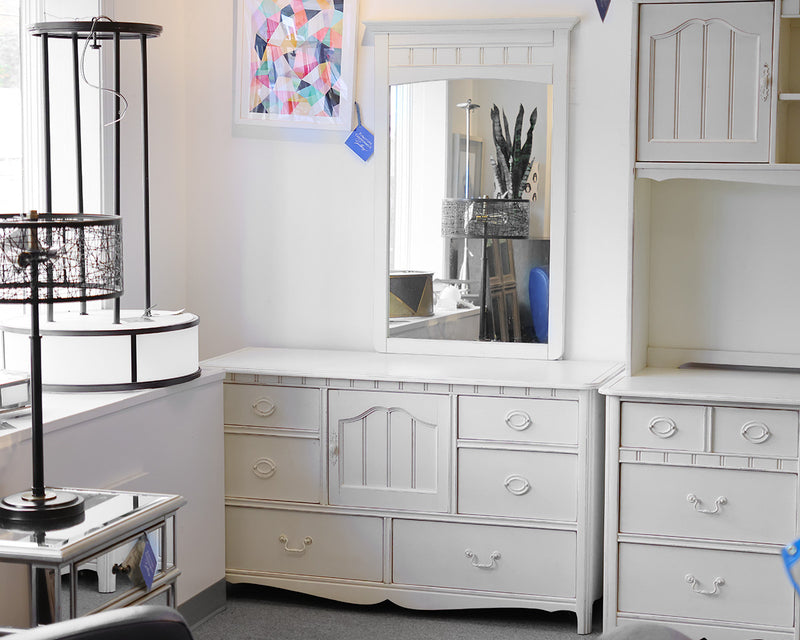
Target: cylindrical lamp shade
{"x": 503, "y": 218}
{"x": 79, "y": 257}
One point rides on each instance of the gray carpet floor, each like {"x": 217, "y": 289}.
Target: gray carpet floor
{"x": 262, "y": 613}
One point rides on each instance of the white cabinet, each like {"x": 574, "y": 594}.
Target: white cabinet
{"x": 702, "y": 494}
{"x": 433, "y": 482}
{"x": 705, "y": 73}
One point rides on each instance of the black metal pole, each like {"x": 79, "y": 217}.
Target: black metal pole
{"x": 484, "y": 282}
{"x": 117, "y": 132}
{"x": 48, "y": 174}
{"x": 79, "y": 160}
{"x": 37, "y": 435}
{"x": 146, "y": 176}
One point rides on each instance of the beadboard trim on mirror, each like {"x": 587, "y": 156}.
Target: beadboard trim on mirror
{"x": 530, "y": 49}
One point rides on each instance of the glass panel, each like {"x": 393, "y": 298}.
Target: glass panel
{"x": 457, "y": 238}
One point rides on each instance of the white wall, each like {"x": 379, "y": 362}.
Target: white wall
{"x": 276, "y": 225}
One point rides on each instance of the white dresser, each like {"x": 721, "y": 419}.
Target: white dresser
{"x": 434, "y": 482}
{"x": 702, "y": 488}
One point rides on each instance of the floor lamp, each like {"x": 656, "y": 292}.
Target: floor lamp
{"x": 48, "y": 258}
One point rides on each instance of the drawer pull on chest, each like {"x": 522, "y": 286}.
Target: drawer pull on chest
{"x": 516, "y": 484}
{"x": 694, "y": 500}
{"x": 265, "y": 468}
{"x": 755, "y": 432}
{"x": 662, "y": 427}
{"x": 518, "y": 420}
{"x": 492, "y": 564}
{"x": 284, "y": 540}
{"x": 694, "y": 583}
{"x": 264, "y": 407}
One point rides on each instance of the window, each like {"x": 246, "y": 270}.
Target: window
{"x": 11, "y": 189}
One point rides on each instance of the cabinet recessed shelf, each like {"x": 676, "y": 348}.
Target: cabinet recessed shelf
{"x": 789, "y": 96}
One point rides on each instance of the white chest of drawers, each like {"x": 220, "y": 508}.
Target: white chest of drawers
{"x": 433, "y": 482}
{"x": 702, "y": 489}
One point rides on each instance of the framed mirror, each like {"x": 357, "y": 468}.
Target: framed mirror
{"x": 471, "y": 186}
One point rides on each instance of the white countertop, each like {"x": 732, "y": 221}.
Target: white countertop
{"x": 709, "y": 385}
{"x": 363, "y": 365}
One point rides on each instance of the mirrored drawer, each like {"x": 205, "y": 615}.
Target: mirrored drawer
{"x": 484, "y": 558}
{"x": 704, "y": 584}
{"x": 521, "y": 484}
{"x": 518, "y": 419}
{"x": 757, "y": 432}
{"x": 272, "y": 467}
{"x": 310, "y": 544}
{"x": 662, "y": 426}
{"x": 717, "y": 504}
{"x": 269, "y": 406}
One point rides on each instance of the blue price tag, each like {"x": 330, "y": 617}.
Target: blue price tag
{"x": 361, "y": 141}
{"x": 148, "y": 564}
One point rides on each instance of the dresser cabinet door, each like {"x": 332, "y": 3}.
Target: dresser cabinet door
{"x": 389, "y": 450}
{"x": 704, "y": 81}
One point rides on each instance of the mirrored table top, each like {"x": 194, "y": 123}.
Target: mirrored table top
{"x": 109, "y": 516}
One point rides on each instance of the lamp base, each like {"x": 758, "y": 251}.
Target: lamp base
{"x": 56, "y": 510}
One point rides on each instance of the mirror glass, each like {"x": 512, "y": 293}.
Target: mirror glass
{"x": 469, "y": 241}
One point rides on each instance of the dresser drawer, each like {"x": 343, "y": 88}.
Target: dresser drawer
{"x": 518, "y": 419}
{"x": 662, "y": 426}
{"x": 755, "y": 432}
{"x": 267, "y": 406}
{"x": 678, "y": 581}
{"x": 484, "y": 558}
{"x": 717, "y": 504}
{"x": 521, "y": 484}
{"x": 272, "y": 467}
{"x": 310, "y": 544}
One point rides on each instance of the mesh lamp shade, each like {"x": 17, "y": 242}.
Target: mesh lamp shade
{"x": 492, "y": 217}
{"x": 51, "y": 258}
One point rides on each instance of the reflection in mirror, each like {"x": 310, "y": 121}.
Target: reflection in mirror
{"x": 469, "y": 246}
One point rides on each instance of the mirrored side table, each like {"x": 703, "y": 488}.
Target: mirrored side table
{"x": 114, "y": 522}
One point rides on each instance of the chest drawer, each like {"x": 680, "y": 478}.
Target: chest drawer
{"x": 716, "y": 504}
{"x": 272, "y": 467}
{"x": 518, "y": 419}
{"x": 309, "y": 544}
{"x": 757, "y": 432}
{"x": 704, "y": 584}
{"x": 269, "y": 406}
{"x": 522, "y": 484}
{"x": 484, "y": 558}
{"x": 662, "y": 426}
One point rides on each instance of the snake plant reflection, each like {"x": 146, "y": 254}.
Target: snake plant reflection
{"x": 514, "y": 159}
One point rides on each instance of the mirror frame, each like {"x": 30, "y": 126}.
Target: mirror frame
{"x": 526, "y": 49}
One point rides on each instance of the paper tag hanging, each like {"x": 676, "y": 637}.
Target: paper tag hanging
{"x": 361, "y": 141}
{"x": 602, "y": 7}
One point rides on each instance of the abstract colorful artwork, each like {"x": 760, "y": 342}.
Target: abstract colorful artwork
{"x": 295, "y": 61}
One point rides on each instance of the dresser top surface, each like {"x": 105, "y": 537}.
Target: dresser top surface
{"x": 559, "y": 374}
{"x": 709, "y": 385}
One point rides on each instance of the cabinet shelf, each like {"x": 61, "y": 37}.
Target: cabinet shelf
{"x": 775, "y": 174}
{"x": 789, "y": 97}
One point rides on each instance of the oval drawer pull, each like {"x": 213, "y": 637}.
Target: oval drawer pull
{"x": 755, "y": 432}
{"x": 264, "y": 407}
{"x": 694, "y": 500}
{"x": 284, "y": 540}
{"x": 265, "y": 468}
{"x": 492, "y": 564}
{"x": 517, "y": 484}
{"x": 518, "y": 420}
{"x": 662, "y": 427}
{"x": 695, "y": 584}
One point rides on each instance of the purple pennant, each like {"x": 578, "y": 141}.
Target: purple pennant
{"x": 602, "y": 7}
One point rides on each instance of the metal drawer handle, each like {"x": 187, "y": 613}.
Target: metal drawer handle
{"x": 265, "y": 468}
{"x": 718, "y": 582}
{"x": 492, "y": 564}
{"x": 755, "y": 432}
{"x": 764, "y": 83}
{"x": 333, "y": 451}
{"x": 264, "y": 407}
{"x": 517, "y": 484}
{"x": 693, "y": 499}
{"x": 666, "y": 431}
{"x": 518, "y": 420}
{"x": 284, "y": 540}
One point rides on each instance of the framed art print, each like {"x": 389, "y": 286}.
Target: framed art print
{"x": 295, "y": 62}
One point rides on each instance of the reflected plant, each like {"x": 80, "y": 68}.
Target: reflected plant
{"x": 514, "y": 159}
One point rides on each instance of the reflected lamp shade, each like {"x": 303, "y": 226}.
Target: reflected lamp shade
{"x": 502, "y": 218}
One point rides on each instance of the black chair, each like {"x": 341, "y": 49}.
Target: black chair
{"x": 144, "y": 622}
